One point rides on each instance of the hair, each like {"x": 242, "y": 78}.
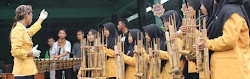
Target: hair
{"x": 20, "y": 12}
{"x": 63, "y": 29}
{"x": 124, "y": 21}
{"x": 80, "y": 30}
{"x": 50, "y": 37}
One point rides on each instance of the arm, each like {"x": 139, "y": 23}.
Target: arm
{"x": 129, "y": 60}
{"x": 34, "y": 28}
{"x": 163, "y": 55}
{"x": 63, "y": 54}
{"x": 109, "y": 52}
{"x": 53, "y": 52}
{"x": 74, "y": 51}
{"x": 231, "y": 31}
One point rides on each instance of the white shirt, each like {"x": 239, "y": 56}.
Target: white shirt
{"x": 67, "y": 48}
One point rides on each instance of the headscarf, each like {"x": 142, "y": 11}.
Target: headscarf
{"x": 156, "y": 32}
{"x": 113, "y": 34}
{"x": 170, "y": 13}
{"x": 133, "y": 33}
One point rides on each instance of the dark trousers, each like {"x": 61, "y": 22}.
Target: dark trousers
{"x": 75, "y": 74}
{"x": 24, "y": 77}
{"x": 189, "y": 75}
{"x": 67, "y": 74}
{"x": 112, "y": 78}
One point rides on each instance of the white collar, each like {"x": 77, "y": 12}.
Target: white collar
{"x": 23, "y": 26}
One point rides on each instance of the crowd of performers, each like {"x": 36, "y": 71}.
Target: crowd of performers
{"x": 227, "y": 31}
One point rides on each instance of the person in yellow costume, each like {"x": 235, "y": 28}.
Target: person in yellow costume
{"x": 129, "y": 58}
{"x": 21, "y": 42}
{"x": 229, "y": 40}
{"x": 111, "y": 35}
{"x": 165, "y": 19}
{"x": 152, "y": 32}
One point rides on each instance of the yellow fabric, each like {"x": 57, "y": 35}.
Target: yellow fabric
{"x": 191, "y": 64}
{"x": 110, "y": 64}
{"x": 130, "y": 71}
{"x": 21, "y": 43}
{"x": 164, "y": 56}
{"x": 227, "y": 62}
{"x": 248, "y": 61}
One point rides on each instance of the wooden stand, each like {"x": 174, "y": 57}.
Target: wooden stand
{"x": 173, "y": 50}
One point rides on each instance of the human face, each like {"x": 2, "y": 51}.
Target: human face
{"x": 191, "y": 10}
{"x": 130, "y": 38}
{"x": 106, "y": 32}
{"x": 62, "y": 34}
{"x": 51, "y": 41}
{"x": 79, "y": 35}
{"x": 120, "y": 26}
{"x": 166, "y": 24}
{"x": 90, "y": 36}
{"x": 28, "y": 18}
{"x": 204, "y": 10}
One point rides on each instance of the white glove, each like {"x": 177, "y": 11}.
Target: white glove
{"x": 36, "y": 53}
{"x": 43, "y": 14}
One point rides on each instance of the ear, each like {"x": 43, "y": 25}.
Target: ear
{"x": 26, "y": 16}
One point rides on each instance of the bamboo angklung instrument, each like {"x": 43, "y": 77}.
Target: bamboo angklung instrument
{"x": 140, "y": 61}
{"x": 96, "y": 59}
{"x": 173, "y": 50}
{"x": 120, "y": 66}
{"x": 154, "y": 60}
{"x": 190, "y": 37}
{"x": 46, "y": 65}
{"x": 202, "y": 60}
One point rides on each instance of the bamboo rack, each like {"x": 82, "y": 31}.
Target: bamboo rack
{"x": 46, "y": 65}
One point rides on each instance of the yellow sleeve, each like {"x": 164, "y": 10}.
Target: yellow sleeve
{"x": 231, "y": 31}
{"x": 163, "y": 55}
{"x": 16, "y": 44}
{"x": 129, "y": 60}
{"x": 34, "y": 28}
{"x": 180, "y": 43}
{"x": 109, "y": 52}
{"x": 180, "y": 35}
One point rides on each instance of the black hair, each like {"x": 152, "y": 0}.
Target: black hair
{"x": 124, "y": 21}
{"x": 49, "y": 37}
{"x": 80, "y": 30}
{"x": 63, "y": 29}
